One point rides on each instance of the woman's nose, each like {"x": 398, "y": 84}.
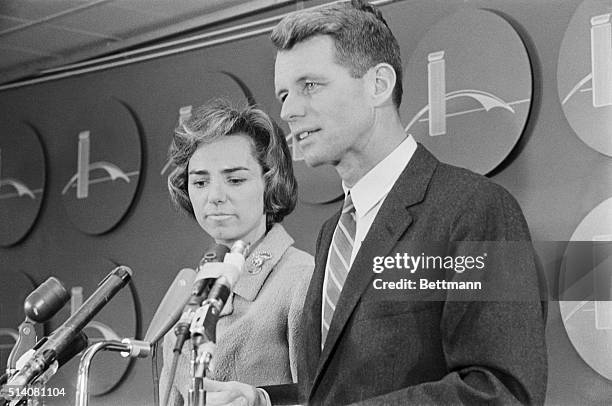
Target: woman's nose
{"x": 216, "y": 192}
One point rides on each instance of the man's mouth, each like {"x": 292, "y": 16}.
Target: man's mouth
{"x": 305, "y": 134}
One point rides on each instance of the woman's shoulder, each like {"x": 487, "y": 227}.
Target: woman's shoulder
{"x": 296, "y": 269}
{"x": 296, "y": 257}
{"x": 295, "y": 263}
{"x": 279, "y": 237}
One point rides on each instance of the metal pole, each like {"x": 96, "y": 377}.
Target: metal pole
{"x": 82, "y": 396}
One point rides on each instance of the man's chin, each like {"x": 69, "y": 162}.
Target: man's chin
{"x": 312, "y": 162}
{"x": 315, "y": 161}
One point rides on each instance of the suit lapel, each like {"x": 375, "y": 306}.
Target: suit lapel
{"x": 391, "y": 222}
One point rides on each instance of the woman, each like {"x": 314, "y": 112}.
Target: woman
{"x": 234, "y": 175}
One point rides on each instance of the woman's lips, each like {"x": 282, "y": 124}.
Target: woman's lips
{"x": 219, "y": 216}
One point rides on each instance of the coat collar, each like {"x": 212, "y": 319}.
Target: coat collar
{"x": 260, "y": 263}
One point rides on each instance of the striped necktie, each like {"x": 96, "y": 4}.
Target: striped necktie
{"x": 338, "y": 265}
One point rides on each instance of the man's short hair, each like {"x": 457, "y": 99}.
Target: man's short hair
{"x": 218, "y": 119}
{"x": 359, "y": 31}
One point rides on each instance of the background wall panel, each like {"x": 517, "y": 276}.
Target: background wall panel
{"x": 556, "y": 178}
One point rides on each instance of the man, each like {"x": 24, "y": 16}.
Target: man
{"x": 338, "y": 77}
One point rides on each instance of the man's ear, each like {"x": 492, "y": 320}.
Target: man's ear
{"x": 384, "y": 78}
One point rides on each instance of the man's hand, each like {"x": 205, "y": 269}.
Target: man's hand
{"x": 233, "y": 394}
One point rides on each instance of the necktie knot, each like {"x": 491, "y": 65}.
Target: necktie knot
{"x": 348, "y": 205}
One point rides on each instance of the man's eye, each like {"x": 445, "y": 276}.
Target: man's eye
{"x": 310, "y": 86}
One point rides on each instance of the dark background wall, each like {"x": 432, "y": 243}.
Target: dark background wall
{"x": 556, "y": 178}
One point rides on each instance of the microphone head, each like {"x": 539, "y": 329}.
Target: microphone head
{"x": 240, "y": 247}
{"x": 45, "y": 300}
{"x": 231, "y": 268}
{"x": 170, "y": 309}
{"x": 236, "y": 258}
{"x": 124, "y": 272}
{"x": 207, "y": 268}
{"x": 214, "y": 254}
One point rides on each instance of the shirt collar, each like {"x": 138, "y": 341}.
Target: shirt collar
{"x": 375, "y": 184}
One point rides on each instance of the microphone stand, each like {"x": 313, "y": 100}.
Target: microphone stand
{"x": 25, "y": 341}
{"x": 127, "y": 347}
{"x": 203, "y": 326}
{"x": 201, "y": 355}
{"x": 203, "y": 338}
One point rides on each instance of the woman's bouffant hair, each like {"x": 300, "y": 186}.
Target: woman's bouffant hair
{"x": 219, "y": 118}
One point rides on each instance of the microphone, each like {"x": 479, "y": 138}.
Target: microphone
{"x": 46, "y": 300}
{"x": 78, "y": 344}
{"x": 202, "y": 280}
{"x": 49, "y": 348}
{"x": 203, "y": 327}
{"x": 168, "y": 312}
{"x": 39, "y": 306}
{"x": 169, "y": 309}
{"x": 220, "y": 291}
{"x": 206, "y": 317}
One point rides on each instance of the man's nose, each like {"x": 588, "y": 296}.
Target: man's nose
{"x": 293, "y": 107}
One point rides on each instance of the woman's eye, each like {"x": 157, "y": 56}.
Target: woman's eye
{"x": 236, "y": 181}
{"x": 199, "y": 183}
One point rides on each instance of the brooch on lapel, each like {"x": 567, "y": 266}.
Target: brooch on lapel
{"x": 258, "y": 260}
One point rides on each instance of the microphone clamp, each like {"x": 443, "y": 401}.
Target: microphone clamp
{"x": 136, "y": 348}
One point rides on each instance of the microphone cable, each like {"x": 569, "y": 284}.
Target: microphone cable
{"x": 155, "y": 372}
{"x": 175, "y": 359}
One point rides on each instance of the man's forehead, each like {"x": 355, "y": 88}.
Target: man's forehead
{"x": 317, "y": 44}
{"x": 288, "y": 66}
{"x": 306, "y": 56}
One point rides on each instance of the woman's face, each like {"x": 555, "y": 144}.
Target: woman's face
{"x": 226, "y": 189}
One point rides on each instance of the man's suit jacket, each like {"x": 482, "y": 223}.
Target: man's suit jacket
{"x": 404, "y": 348}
